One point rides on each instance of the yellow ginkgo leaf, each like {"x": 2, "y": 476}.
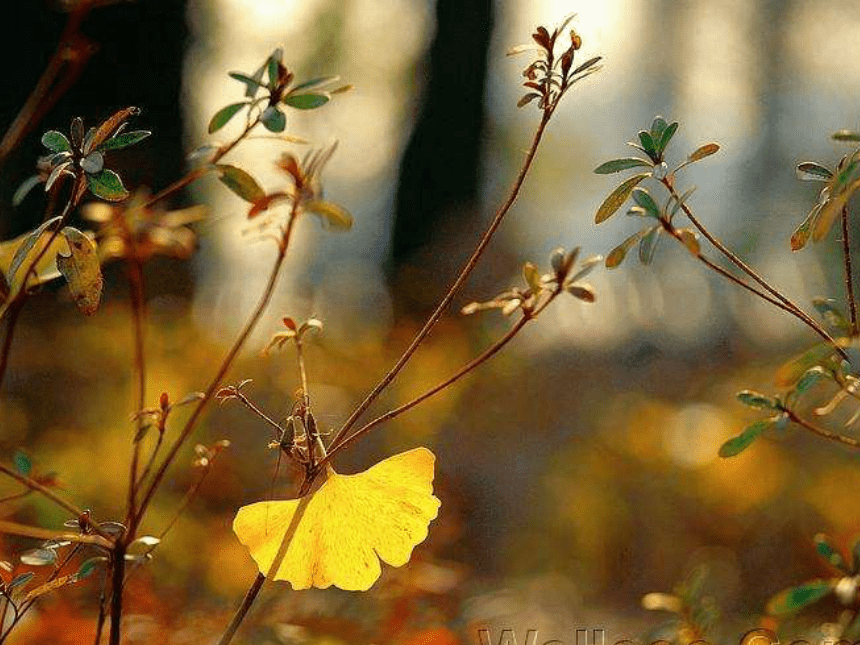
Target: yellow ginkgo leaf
{"x": 347, "y": 525}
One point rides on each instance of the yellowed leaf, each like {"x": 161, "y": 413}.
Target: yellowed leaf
{"x": 347, "y": 525}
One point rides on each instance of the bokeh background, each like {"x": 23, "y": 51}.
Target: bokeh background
{"x": 578, "y": 470}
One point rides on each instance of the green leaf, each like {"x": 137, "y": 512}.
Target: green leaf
{"x": 223, "y": 116}
{"x": 82, "y": 270}
{"x": 240, "y": 182}
{"x": 829, "y": 311}
{"x": 794, "y": 598}
{"x": 56, "y": 141}
{"x": 658, "y": 126}
{"x": 617, "y": 197}
{"x": 668, "y": 133}
{"x": 788, "y": 374}
{"x": 756, "y": 400}
{"x": 810, "y": 378}
{"x": 272, "y": 67}
{"x": 125, "y": 139}
{"x": 273, "y": 119}
{"x": 334, "y": 215}
{"x": 811, "y": 171}
{"x": 306, "y": 101}
{"x": 648, "y": 245}
{"x": 617, "y": 165}
{"x": 252, "y": 83}
{"x": 21, "y": 580}
{"x": 648, "y": 145}
{"x": 22, "y": 463}
{"x": 107, "y": 185}
{"x": 316, "y": 82}
{"x": 846, "y": 135}
{"x": 827, "y": 551}
{"x": 643, "y": 198}
{"x": 89, "y": 566}
{"x": 737, "y": 445}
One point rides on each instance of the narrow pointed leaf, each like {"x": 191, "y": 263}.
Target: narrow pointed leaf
{"x": 252, "y": 83}
{"x": 306, "y": 101}
{"x": 616, "y": 256}
{"x": 617, "y": 198}
{"x": 648, "y": 245}
{"x": 334, "y": 215}
{"x": 690, "y": 239}
{"x": 737, "y": 445}
{"x": 846, "y": 135}
{"x": 788, "y": 374}
{"x": 223, "y": 116}
{"x": 316, "y": 82}
{"x": 668, "y": 133}
{"x": 795, "y": 598}
{"x": 704, "y": 151}
{"x": 756, "y": 400}
{"x": 811, "y": 171}
{"x": 125, "y": 139}
{"x": 802, "y": 233}
{"x": 241, "y": 183}
{"x": 648, "y": 144}
{"x": 643, "y": 198}
{"x": 617, "y": 165}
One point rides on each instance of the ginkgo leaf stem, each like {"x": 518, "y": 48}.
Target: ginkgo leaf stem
{"x": 790, "y": 306}
{"x": 455, "y": 287}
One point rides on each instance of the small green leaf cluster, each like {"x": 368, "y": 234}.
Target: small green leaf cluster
{"x": 843, "y": 587}
{"x": 840, "y": 184}
{"x": 82, "y": 154}
{"x": 279, "y": 92}
{"x": 652, "y": 143}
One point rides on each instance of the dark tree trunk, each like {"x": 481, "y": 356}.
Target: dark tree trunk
{"x": 440, "y": 169}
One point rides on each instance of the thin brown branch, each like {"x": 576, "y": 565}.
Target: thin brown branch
{"x": 138, "y": 303}
{"x": 38, "y": 533}
{"x": 260, "y": 579}
{"x": 849, "y": 274}
{"x": 197, "y": 173}
{"x": 224, "y": 368}
{"x": 790, "y": 306}
{"x": 11, "y": 321}
{"x": 851, "y": 442}
{"x": 463, "y": 371}
{"x": 240, "y": 396}
{"x": 455, "y": 287}
{"x": 33, "y": 485}
{"x": 72, "y": 53}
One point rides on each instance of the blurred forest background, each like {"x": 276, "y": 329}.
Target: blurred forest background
{"x": 579, "y": 469}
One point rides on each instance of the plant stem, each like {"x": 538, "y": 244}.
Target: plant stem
{"x": 12, "y": 320}
{"x": 470, "y": 366}
{"x": 117, "y": 583}
{"x": 197, "y": 173}
{"x": 138, "y": 303}
{"x": 790, "y": 306}
{"x": 39, "y": 533}
{"x": 851, "y": 442}
{"x": 257, "y": 411}
{"x": 455, "y": 287}
{"x": 225, "y": 365}
{"x": 260, "y": 579}
{"x": 47, "y": 492}
{"x": 849, "y": 275}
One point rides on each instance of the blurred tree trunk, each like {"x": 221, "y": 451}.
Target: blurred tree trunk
{"x": 439, "y": 173}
